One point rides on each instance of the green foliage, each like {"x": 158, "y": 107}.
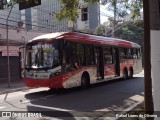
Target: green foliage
{"x": 69, "y": 9}
{"x": 135, "y": 8}
{"x": 132, "y": 31}
{"x": 100, "y": 30}
{"x": 121, "y": 6}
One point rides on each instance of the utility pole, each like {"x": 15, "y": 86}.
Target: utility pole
{"x": 8, "y": 61}
{"x": 147, "y": 62}
{"x": 155, "y": 57}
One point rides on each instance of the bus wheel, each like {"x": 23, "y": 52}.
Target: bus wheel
{"x": 52, "y": 90}
{"x": 85, "y": 81}
{"x": 125, "y": 74}
{"x": 131, "y": 73}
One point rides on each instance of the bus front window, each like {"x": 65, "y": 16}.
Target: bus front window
{"x": 42, "y": 55}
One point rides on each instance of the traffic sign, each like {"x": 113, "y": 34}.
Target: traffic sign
{"x": 24, "y": 4}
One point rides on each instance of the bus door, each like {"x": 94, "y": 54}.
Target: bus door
{"x": 116, "y": 61}
{"x": 99, "y": 62}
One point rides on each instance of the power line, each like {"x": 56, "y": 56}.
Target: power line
{"x": 26, "y": 24}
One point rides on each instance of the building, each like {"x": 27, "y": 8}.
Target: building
{"x": 16, "y": 39}
{"x": 13, "y": 19}
{"x": 42, "y": 17}
{"x": 89, "y": 17}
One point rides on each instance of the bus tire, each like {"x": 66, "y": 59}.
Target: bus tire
{"x": 85, "y": 80}
{"x": 125, "y": 74}
{"x": 131, "y": 73}
{"x": 52, "y": 90}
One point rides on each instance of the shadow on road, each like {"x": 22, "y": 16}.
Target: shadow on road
{"x": 45, "y": 112}
{"x": 96, "y": 97}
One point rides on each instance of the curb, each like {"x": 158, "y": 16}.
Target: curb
{"x": 128, "y": 109}
{"x": 10, "y": 90}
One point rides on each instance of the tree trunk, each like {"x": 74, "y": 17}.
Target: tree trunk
{"x": 115, "y": 17}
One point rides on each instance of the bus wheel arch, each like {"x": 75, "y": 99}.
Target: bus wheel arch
{"x": 125, "y": 73}
{"x": 131, "y": 72}
{"x": 85, "y": 79}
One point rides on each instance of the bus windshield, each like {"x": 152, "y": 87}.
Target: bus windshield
{"x": 42, "y": 55}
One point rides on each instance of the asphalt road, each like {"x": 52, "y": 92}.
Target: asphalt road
{"x": 100, "y": 100}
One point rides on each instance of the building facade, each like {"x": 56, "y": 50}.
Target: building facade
{"x": 16, "y": 39}
{"x": 13, "y": 19}
{"x": 42, "y": 17}
{"x": 89, "y": 17}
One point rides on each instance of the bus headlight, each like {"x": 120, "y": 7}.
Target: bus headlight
{"x": 51, "y": 75}
{"x": 55, "y": 73}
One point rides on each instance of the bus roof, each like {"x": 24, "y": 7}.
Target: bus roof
{"x": 85, "y": 38}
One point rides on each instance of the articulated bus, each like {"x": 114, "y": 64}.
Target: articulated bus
{"x": 71, "y": 59}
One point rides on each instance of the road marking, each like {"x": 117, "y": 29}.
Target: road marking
{"x": 52, "y": 108}
{"x": 2, "y": 107}
{"x": 26, "y": 101}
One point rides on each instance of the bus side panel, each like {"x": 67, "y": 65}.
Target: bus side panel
{"x": 75, "y": 79}
{"x": 126, "y": 63}
{"x": 55, "y": 82}
{"x": 137, "y": 66}
{"x": 109, "y": 71}
{"x": 67, "y": 80}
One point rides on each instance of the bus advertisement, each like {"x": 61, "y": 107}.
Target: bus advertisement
{"x": 71, "y": 59}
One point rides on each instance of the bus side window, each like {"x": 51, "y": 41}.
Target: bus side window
{"x": 74, "y": 59}
{"x": 80, "y": 54}
{"x": 129, "y": 54}
{"x": 122, "y": 53}
{"x": 89, "y": 50}
{"x": 67, "y": 53}
{"x": 138, "y": 53}
{"x": 108, "y": 55}
{"x": 134, "y": 54}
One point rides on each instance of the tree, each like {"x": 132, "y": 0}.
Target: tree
{"x": 135, "y": 7}
{"x": 131, "y": 31}
{"x": 120, "y": 6}
{"x": 100, "y": 30}
{"x": 69, "y": 9}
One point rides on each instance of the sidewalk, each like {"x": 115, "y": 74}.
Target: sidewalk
{"x": 14, "y": 86}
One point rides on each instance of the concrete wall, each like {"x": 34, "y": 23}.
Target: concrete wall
{"x": 22, "y": 36}
{"x": 15, "y": 64}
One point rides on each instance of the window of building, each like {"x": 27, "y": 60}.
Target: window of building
{"x": 84, "y": 14}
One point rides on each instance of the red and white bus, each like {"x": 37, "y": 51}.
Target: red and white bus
{"x": 71, "y": 59}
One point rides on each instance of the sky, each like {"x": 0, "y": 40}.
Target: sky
{"x": 104, "y": 14}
